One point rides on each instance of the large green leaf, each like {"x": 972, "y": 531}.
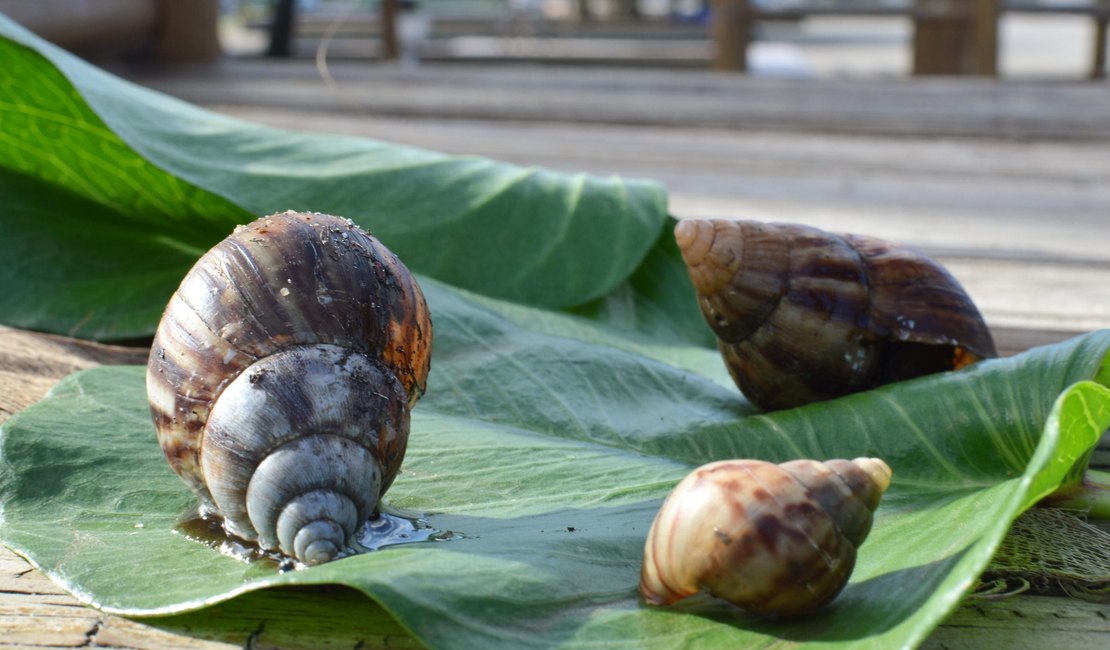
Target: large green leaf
{"x": 145, "y": 184}
{"x": 547, "y": 442}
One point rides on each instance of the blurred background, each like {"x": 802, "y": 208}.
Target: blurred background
{"x": 1019, "y": 39}
{"x": 976, "y": 130}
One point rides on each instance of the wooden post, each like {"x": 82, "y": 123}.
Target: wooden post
{"x": 627, "y": 9}
{"x": 583, "y": 10}
{"x": 940, "y": 42}
{"x": 984, "y": 36}
{"x": 187, "y": 31}
{"x": 281, "y": 28}
{"x": 391, "y": 46}
{"x": 732, "y": 23}
{"x": 937, "y": 47}
{"x": 1098, "y": 64}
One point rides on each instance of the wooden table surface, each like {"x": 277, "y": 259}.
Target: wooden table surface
{"x": 1007, "y": 184}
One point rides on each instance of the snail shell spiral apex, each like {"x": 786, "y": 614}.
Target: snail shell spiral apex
{"x": 774, "y": 539}
{"x": 803, "y": 315}
{"x": 281, "y": 378}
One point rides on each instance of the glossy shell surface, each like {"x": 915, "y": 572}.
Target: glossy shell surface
{"x": 774, "y": 539}
{"x": 802, "y": 315}
{"x": 296, "y": 326}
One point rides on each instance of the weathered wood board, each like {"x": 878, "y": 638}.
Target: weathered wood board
{"x": 937, "y": 107}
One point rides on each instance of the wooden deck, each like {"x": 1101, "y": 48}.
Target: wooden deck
{"x": 1006, "y": 183}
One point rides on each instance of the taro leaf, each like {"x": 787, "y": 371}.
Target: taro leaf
{"x": 657, "y": 300}
{"x": 548, "y": 442}
{"x": 103, "y": 180}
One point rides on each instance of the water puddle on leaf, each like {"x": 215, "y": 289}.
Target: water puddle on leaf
{"x": 391, "y": 527}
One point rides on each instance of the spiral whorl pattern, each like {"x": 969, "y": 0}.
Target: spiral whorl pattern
{"x": 281, "y": 378}
{"x": 312, "y": 491}
{"x": 774, "y": 539}
{"x": 297, "y": 439}
{"x": 803, "y": 315}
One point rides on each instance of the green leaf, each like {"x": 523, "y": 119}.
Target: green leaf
{"x": 657, "y": 300}
{"x": 60, "y": 275}
{"x": 547, "y": 442}
{"x": 164, "y": 180}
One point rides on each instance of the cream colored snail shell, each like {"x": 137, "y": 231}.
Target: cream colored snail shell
{"x": 803, "y": 315}
{"x": 281, "y": 377}
{"x": 774, "y": 539}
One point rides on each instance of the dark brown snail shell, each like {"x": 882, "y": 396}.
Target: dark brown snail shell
{"x": 774, "y": 539}
{"x": 803, "y": 315}
{"x": 281, "y": 377}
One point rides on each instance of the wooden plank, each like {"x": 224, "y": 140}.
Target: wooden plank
{"x": 1021, "y": 293}
{"x": 984, "y": 36}
{"x": 31, "y": 363}
{"x": 17, "y": 578}
{"x": 938, "y": 107}
{"x": 40, "y": 629}
{"x": 315, "y": 618}
{"x": 391, "y": 45}
{"x": 186, "y": 32}
{"x": 116, "y": 632}
{"x": 1094, "y": 10}
{"x": 942, "y": 43}
{"x": 308, "y": 618}
{"x": 1045, "y": 623}
{"x": 1098, "y": 62}
{"x": 732, "y": 25}
{"x": 36, "y": 613}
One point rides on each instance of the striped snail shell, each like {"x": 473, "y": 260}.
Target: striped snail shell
{"x": 774, "y": 539}
{"x": 281, "y": 378}
{"x": 803, "y": 315}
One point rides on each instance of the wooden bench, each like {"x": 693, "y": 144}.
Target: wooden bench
{"x": 954, "y": 37}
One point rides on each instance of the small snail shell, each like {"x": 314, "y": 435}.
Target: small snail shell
{"x": 281, "y": 377}
{"x": 803, "y": 315}
{"x": 774, "y": 539}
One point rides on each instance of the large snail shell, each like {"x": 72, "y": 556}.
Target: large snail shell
{"x": 773, "y": 539}
{"x": 281, "y": 377}
{"x": 803, "y": 315}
